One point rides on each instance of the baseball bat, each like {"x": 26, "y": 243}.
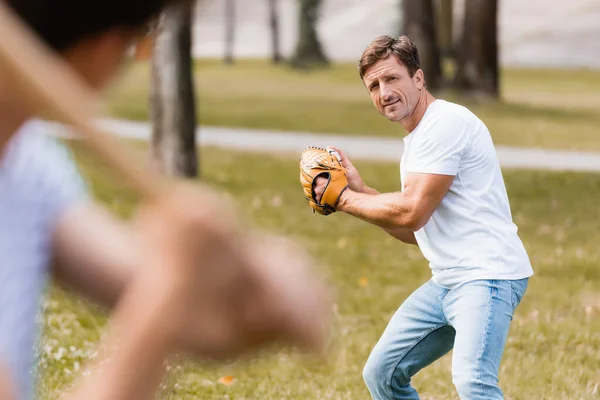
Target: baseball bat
{"x": 48, "y": 82}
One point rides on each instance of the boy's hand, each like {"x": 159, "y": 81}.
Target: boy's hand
{"x": 228, "y": 291}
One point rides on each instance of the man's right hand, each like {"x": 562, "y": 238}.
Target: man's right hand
{"x": 355, "y": 182}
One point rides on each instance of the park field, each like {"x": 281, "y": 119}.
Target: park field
{"x": 540, "y": 108}
{"x": 553, "y": 352}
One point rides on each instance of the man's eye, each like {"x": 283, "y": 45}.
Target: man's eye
{"x": 374, "y": 86}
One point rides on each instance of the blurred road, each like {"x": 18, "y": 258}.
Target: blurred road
{"x": 537, "y": 33}
{"x": 364, "y": 148}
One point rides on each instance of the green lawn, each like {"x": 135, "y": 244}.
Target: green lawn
{"x": 554, "y": 347}
{"x": 543, "y": 108}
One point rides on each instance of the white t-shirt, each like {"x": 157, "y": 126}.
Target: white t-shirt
{"x": 38, "y": 182}
{"x": 471, "y": 234}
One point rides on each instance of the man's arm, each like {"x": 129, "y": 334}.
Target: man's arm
{"x": 433, "y": 162}
{"x": 403, "y": 234}
{"x": 410, "y": 209}
{"x": 356, "y": 184}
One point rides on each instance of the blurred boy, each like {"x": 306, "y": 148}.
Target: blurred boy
{"x": 185, "y": 278}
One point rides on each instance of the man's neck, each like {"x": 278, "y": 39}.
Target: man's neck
{"x": 410, "y": 122}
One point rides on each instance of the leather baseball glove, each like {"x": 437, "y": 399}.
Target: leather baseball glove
{"x": 315, "y": 162}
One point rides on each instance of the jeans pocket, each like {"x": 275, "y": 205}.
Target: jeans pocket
{"x": 518, "y": 289}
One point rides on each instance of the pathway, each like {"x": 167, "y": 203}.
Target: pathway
{"x": 365, "y": 148}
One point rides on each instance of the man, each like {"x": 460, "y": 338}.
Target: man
{"x": 186, "y": 277}
{"x": 453, "y": 204}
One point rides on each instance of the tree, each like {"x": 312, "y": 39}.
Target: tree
{"x": 172, "y": 100}
{"x": 477, "y": 69}
{"x": 445, "y": 22}
{"x": 229, "y": 30}
{"x": 274, "y": 25}
{"x": 309, "y": 51}
{"x": 419, "y": 25}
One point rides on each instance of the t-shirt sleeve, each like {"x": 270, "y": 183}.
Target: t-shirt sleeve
{"x": 64, "y": 181}
{"x": 39, "y": 181}
{"x": 439, "y": 149}
{"x": 48, "y": 172}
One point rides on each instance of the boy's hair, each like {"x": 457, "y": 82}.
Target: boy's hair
{"x": 63, "y": 23}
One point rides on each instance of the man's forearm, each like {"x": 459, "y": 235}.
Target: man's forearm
{"x": 368, "y": 190}
{"x": 404, "y": 235}
{"x": 390, "y": 211}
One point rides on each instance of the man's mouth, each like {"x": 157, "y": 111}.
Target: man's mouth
{"x": 392, "y": 103}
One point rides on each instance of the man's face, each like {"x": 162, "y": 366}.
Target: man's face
{"x": 393, "y": 91}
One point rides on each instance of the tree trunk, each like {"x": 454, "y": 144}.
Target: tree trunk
{"x": 173, "y": 109}
{"x": 309, "y": 51}
{"x": 229, "y": 30}
{"x": 445, "y": 21}
{"x": 477, "y": 70}
{"x": 419, "y": 25}
{"x": 274, "y": 25}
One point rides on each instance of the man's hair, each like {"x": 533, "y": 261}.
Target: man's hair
{"x": 63, "y": 23}
{"x": 403, "y": 48}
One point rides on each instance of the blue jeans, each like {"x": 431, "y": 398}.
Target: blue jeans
{"x": 472, "y": 319}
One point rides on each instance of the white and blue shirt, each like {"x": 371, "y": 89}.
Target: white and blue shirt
{"x": 38, "y": 182}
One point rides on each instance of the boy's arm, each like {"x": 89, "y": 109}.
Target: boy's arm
{"x": 132, "y": 360}
{"x": 94, "y": 252}
{"x": 6, "y": 385}
{"x": 207, "y": 290}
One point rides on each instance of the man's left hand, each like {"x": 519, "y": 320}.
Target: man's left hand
{"x": 323, "y": 179}
{"x": 319, "y": 187}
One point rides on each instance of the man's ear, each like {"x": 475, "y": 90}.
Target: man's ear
{"x": 419, "y": 79}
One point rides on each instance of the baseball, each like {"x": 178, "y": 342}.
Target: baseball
{"x": 336, "y": 154}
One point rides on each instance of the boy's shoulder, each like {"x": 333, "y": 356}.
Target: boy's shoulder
{"x": 37, "y": 165}
{"x": 33, "y": 143}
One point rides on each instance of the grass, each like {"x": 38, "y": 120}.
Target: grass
{"x": 553, "y": 351}
{"x": 541, "y": 108}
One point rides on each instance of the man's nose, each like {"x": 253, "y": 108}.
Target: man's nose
{"x": 386, "y": 93}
